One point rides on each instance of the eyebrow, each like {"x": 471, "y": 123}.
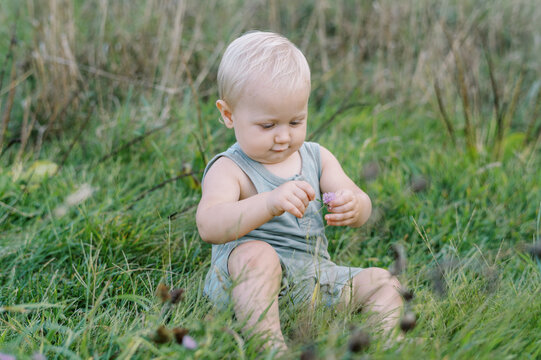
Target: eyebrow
{"x": 296, "y": 117}
{"x": 300, "y": 116}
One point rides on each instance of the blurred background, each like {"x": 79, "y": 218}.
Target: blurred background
{"x": 473, "y": 64}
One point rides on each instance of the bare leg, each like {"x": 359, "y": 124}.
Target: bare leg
{"x": 376, "y": 290}
{"x": 255, "y": 268}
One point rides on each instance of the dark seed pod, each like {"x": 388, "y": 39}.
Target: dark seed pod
{"x": 376, "y": 216}
{"x": 438, "y": 282}
{"x": 438, "y": 274}
{"x": 419, "y": 183}
{"x": 534, "y": 249}
{"x": 358, "y": 341}
{"x": 491, "y": 278}
{"x": 308, "y": 354}
{"x": 370, "y": 171}
{"x": 176, "y": 295}
{"x": 162, "y": 335}
{"x": 406, "y": 294}
{"x": 408, "y": 321}
{"x": 400, "y": 261}
{"x": 179, "y": 333}
{"x": 163, "y": 292}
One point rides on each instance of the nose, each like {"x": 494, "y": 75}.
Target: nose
{"x": 282, "y": 135}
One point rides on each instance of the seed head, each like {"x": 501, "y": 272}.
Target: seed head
{"x": 359, "y": 341}
{"x": 419, "y": 183}
{"x": 438, "y": 282}
{"x": 186, "y": 168}
{"x": 179, "y": 334}
{"x": 408, "y": 321}
{"x": 176, "y": 295}
{"x": 376, "y": 216}
{"x": 309, "y": 354}
{"x": 534, "y": 249}
{"x": 370, "y": 171}
{"x": 163, "y": 292}
{"x": 162, "y": 335}
{"x": 407, "y": 294}
{"x": 400, "y": 261}
{"x": 491, "y": 279}
{"x": 437, "y": 275}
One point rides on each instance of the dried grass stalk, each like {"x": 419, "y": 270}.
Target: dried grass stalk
{"x": 536, "y": 114}
{"x": 506, "y": 119}
{"x": 443, "y": 112}
{"x": 7, "y": 109}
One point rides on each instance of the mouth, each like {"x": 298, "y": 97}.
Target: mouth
{"x": 280, "y": 150}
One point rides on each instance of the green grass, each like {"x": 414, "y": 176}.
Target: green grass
{"x": 83, "y": 284}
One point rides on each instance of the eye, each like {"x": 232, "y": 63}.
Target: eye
{"x": 295, "y": 122}
{"x": 266, "y": 126}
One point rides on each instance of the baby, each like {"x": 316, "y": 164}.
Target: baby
{"x": 261, "y": 198}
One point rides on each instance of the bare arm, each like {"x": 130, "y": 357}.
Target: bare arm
{"x": 352, "y": 206}
{"x": 222, "y": 216}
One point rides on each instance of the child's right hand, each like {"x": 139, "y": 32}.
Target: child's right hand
{"x": 292, "y": 196}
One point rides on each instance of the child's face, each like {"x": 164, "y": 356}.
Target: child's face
{"x": 269, "y": 123}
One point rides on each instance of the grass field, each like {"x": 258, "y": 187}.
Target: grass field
{"x": 107, "y": 119}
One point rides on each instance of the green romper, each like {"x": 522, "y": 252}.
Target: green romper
{"x": 300, "y": 244}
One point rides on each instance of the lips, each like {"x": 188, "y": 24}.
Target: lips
{"x": 280, "y": 149}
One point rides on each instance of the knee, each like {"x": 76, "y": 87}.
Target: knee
{"x": 254, "y": 257}
{"x": 375, "y": 276}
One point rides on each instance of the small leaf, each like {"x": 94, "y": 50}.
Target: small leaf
{"x": 512, "y": 143}
{"x": 39, "y": 170}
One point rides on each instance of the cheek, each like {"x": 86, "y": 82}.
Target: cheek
{"x": 255, "y": 139}
{"x": 300, "y": 135}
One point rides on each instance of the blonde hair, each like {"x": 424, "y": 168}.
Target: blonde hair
{"x": 261, "y": 54}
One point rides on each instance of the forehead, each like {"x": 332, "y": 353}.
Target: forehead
{"x": 265, "y": 88}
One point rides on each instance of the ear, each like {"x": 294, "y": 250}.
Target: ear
{"x": 226, "y": 112}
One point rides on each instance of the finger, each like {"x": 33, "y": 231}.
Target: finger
{"x": 349, "y": 206}
{"x": 307, "y": 188}
{"x": 340, "y": 223}
{"x": 343, "y": 222}
{"x": 298, "y": 204}
{"x": 302, "y": 196}
{"x": 341, "y": 199}
{"x": 339, "y": 217}
{"x": 292, "y": 209}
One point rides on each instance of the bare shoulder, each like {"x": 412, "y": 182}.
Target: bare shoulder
{"x": 223, "y": 167}
{"x": 221, "y": 183}
{"x": 225, "y": 182}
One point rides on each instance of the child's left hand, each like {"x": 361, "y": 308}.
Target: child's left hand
{"x": 344, "y": 209}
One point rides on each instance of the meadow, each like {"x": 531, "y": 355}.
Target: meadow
{"x": 107, "y": 120}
